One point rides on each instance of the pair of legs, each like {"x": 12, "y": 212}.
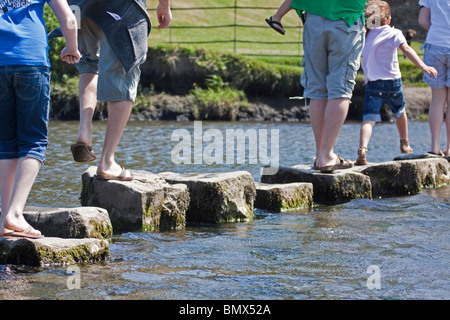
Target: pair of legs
{"x": 439, "y": 106}
{"x": 402, "y": 127}
{"x": 327, "y": 118}
{"x": 118, "y": 115}
{"x": 17, "y": 177}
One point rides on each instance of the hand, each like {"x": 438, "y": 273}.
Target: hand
{"x": 432, "y": 72}
{"x": 70, "y": 56}
{"x": 164, "y": 16}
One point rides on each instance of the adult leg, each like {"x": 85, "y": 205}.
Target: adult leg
{"x": 25, "y": 175}
{"x": 447, "y": 122}
{"x": 317, "y": 115}
{"x": 88, "y": 102}
{"x": 118, "y": 114}
{"x": 436, "y": 117}
{"x": 334, "y": 117}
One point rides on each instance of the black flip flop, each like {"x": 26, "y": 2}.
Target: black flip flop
{"x": 272, "y": 24}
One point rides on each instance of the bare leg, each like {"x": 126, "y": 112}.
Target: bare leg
{"x": 118, "y": 114}
{"x": 402, "y": 127}
{"x": 366, "y": 133}
{"x": 436, "y": 117}
{"x": 88, "y": 102}
{"x": 7, "y": 177}
{"x": 334, "y": 117}
{"x": 447, "y": 122}
{"x": 26, "y": 172}
{"x": 317, "y": 115}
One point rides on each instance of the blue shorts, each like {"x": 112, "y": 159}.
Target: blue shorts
{"x": 24, "y": 105}
{"x": 379, "y": 91}
{"x": 439, "y": 58}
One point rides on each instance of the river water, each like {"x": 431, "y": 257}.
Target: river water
{"x": 385, "y": 248}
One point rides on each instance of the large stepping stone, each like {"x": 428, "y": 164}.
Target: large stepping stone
{"x": 217, "y": 197}
{"x": 51, "y": 250}
{"x": 146, "y": 203}
{"x": 80, "y": 222}
{"x": 406, "y": 177}
{"x": 284, "y": 197}
{"x": 339, "y": 187}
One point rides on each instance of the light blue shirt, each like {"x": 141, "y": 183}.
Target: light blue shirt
{"x": 439, "y": 32}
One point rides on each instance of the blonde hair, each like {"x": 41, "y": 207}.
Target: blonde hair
{"x": 377, "y": 13}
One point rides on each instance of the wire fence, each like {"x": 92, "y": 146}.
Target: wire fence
{"x": 223, "y": 31}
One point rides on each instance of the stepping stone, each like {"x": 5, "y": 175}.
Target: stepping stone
{"x": 80, "y": 222}
{"x": 284, "y": 197}
{"x": 339, "y": 187}
{"x": 217, "y": 197}
{"x": 146, "y": 203}
{"x": 51, "y": 250}
{"x": 406, "y": 177}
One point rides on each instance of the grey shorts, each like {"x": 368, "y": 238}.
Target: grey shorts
{"x": 332, "y": 51}
{"x": 114, "y": 84}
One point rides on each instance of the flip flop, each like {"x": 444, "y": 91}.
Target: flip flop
{"x": 344, "y": 164}
{"x": 121, "y": 177}
{"x": 432, "y": 154}
{"x": 82, "y": 152}
{"x": 27, "y": 233}
{"x": 273, "y": 25}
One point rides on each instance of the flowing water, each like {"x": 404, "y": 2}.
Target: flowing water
{"x": 385, "y": 248}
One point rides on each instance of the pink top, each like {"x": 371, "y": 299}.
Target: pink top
{"x": 379, "y": 57}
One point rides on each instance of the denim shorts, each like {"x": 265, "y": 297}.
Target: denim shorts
{"x": 379, "y": 91}
{"x": 114, "y": 83}
{"x": 439, "y": 58}
{"x": 24, "y": 105}
{"x": 332, "y": 51}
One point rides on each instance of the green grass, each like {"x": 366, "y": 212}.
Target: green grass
{"x": 252, "y": 27}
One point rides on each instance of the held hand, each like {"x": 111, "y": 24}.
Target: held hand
{"x": 70, "y": 56}
{"x": 432, "y": 72}
{"x": 164, "y": 16}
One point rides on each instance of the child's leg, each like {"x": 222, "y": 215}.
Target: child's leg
{"x": 366, "y": 133}
{"x": 436, "y": 117}
{"x": 7, "y": 176}
{"x": 402, "y": 127}
{"x": 25, "y": 175}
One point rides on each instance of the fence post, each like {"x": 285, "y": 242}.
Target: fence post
{"x": 235, "y": 25}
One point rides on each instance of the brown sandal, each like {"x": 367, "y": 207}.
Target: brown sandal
{"x": 344, "y": 164}
{"x": 362, "y": 152}
{"x": 82, "y": 152}
{"x": 121, "y": 177}
{"x": 405, "y": 147}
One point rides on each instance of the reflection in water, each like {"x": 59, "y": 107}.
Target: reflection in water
{"x": 322, "y": 253}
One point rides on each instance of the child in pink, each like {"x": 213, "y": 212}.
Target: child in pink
{"x": 383, "y": 76}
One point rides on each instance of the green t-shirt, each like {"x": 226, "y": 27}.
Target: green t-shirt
{"x": 347, "y": 10}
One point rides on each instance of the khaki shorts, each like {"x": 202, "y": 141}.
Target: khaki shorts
{"x": 114, "y": 84}
{"x": 332, "y": 51}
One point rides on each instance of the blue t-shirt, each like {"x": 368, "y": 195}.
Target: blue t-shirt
{"x": 23, "y": 36}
